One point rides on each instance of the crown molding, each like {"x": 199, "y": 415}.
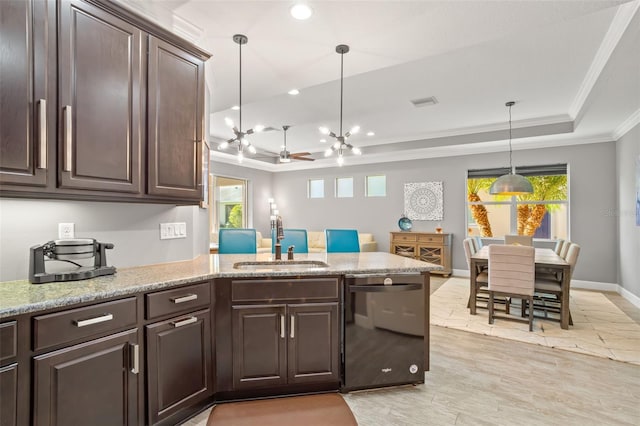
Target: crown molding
{"x": 619, "y": 24}
{"x": 628, "y": 124}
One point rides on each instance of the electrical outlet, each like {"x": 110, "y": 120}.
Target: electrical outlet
{"x": 66, "y": 230}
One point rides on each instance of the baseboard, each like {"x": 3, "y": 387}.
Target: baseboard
{"x": 580, "y": 284}
{"x": 632, "y": 298}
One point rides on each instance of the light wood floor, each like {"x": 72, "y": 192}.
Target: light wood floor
{"x": 483, "y": 380}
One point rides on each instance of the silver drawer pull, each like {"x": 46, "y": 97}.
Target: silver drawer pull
{"x": 182, "y": 299}
{"x": 68, "y": 137}
{"x": 42, "y": 130}
{"x": 281, "y": 326}
{"x": 135, "y": 358}
{"x": 184, "y": 322}
{"x": 96, "y": 320}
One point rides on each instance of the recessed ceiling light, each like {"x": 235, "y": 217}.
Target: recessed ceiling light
{"x": 235, "y": 107}
{"x": 371, "y": 134}
{"x": 294, "y": 92}
{"x": 323, "y": 140}
{"x": 301, "y": 11}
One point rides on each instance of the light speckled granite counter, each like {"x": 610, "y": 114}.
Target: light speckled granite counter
{"x": 19, "y": 297}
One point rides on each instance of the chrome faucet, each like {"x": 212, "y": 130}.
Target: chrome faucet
{"x": 279, "y": 237}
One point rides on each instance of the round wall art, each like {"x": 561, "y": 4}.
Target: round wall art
{"x": 423, "y": 200}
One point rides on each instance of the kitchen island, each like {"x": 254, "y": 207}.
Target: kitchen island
{"x": 185, "y": 334}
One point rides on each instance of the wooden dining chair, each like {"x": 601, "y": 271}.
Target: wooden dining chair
{"x": 523, "y": 240}
{"x": 482, "y": 279}
{"x": 548, "y": 288}
{"x": 558, "y": 247}
{"x": 565, "y": 249}
{"x": 511, "y": 274}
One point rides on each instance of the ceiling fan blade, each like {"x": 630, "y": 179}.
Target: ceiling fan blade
{"x": 303, "y": 158}
{"x": 300, "y": 153}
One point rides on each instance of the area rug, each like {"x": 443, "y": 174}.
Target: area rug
{"x": 599, "y": 327}
{"x": 307, "y": 410}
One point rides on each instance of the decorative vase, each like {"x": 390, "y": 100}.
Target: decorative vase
{"x": 405, "y": 223}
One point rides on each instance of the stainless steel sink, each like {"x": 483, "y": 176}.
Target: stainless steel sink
{"x": 281, "y": 264}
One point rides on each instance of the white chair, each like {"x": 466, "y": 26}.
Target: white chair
{"x": 522, "y": 240}
{"x": 511, "y": 273}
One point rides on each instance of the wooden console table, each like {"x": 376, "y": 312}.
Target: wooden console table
{"x": 425, "y": 246}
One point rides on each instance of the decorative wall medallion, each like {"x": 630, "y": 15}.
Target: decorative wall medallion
{"x": 423, "y": 200}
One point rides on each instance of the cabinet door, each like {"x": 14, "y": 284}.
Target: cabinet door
{"x": 313, "y": 352}
{"x": 26, "y": 99}
{"x": 101, "y": 99}
{"x": 179, "y": 367}
{"x": 94, "y": 383}
{"x": 259, "y": 346}
{"x": 175, "y": 119}
{"x": 8, "y": 395}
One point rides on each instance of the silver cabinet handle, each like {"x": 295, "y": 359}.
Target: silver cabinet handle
{"x": 42, "y": 130}
{"x": 96, "y": 320}
{"x": 67, "y": 137}
{"x": 135, "y": 357}
{"x": 184, "y": 322}
{"x": 182, "y": 299}
{"x": 293, "y": 326}
{"x": 281, "y": 326}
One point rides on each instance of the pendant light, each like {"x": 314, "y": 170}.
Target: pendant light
{"x": 240, "y": 136}
{"x": 511, "y": 184}
{"x": 341, "y": 143}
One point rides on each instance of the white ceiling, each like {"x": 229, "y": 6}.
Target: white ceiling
{"x": 572, "y": 66}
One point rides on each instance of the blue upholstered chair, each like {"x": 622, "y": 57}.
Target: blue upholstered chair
{"x": 342, "y": 240}
{"x": 235, "y": 240}
{"x": 292, "y": 237}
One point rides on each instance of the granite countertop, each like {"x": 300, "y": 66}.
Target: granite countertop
{"x": 19, "y": 297}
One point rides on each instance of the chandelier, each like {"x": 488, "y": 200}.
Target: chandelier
{"x": 341, "y": 145}
{"x": 239, "y": 138}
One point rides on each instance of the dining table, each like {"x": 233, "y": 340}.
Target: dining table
{"x": 544, "y": 258}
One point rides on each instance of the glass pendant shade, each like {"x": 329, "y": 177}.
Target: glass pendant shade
{"x": 511, "y": 184}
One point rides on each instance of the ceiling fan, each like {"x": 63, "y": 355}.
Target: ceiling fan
{"x": 286, "y": 156}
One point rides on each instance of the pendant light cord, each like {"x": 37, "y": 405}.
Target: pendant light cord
{"x": 510, "y": 163}
{"x": 341, "y": 82}
{"x": 240, "y": 94}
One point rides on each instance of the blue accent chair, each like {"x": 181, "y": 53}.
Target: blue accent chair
{"x": 235, "y": 241}
{"x": 292, "y": 237}
{"x": 342, "y": 240}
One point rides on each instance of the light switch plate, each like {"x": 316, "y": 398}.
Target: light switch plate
{"x": 170, "y": 231}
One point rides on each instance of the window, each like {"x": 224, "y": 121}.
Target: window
{"x": 376, "y": 186}
{"x": 230, "y": 201}
{"x": 344, "y": 187}
{"x": 543, "y": 214}
{"x": 315, "y": 188}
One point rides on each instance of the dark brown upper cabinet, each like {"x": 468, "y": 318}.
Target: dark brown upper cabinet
{"x": 27, "y": 93}
{"x": 101, "y": 100}
{"x": 98, "y": 103}
{"x": 175, "y": 111}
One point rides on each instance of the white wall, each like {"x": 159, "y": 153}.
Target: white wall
{"x": 627, "y": 154}
{"x": 592, "y": 198}
{"x": 134, "y": 229}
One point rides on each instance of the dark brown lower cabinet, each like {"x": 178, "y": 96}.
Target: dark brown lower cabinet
{"x": 8, "y": 395}
{"x": 93, "y": 383}
{"x": 285, "y": 344}
{"x": 179, "y": 364}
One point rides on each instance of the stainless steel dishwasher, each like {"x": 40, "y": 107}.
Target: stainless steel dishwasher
{"x": 384, "y": 330}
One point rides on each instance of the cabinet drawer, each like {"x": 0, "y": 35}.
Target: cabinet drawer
{"x": 177, "y": 300}
{"x": 283, "y": 289}
{"x": 404, "y": 238}
{"x": 431, "y": 239}
{"x": 8, "y": 341}
{"x": 71, "y": 325}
